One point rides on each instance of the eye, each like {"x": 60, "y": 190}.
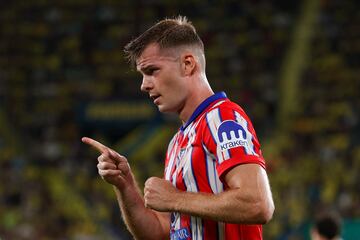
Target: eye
{"x": 151, "y": 71}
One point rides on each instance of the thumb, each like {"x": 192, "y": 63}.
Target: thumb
{"x": 116, "y": 156}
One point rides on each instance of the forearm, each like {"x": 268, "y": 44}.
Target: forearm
{"x": 138, "y": 218}
{"x": 230, "y": 206}
{"x": 115, "y": 169}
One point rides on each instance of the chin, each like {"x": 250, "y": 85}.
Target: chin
{"x": 164, "y": 109}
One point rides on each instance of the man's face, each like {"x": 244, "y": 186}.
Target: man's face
{"x": 162, "y": 78}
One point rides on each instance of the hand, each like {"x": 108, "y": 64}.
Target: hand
{"x": 160, "y": 194}
{"x": 112, "y": 167}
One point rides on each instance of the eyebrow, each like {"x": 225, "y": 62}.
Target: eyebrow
{"x": 145, "y": 68}
{"x": 154, "y": 65}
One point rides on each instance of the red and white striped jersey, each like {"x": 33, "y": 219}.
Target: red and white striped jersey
{"x": 217, "y": 137}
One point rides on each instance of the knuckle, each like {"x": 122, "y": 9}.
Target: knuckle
{"x": 150, "y": 180}
{"x": 146, "y": 184}
{"x": 102, "y": 165}
{"x": 99, "y": 166}
{"x": 103, "y": 173}
{"x": 106, "y": 153}
{"x": 112, "y": 152}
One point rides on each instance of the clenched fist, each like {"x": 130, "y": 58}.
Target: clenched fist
{"x": 160, "y": 195}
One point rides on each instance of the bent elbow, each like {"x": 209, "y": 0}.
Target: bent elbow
{"x": 262, "y": 211}
{"x": 266, "y": 213}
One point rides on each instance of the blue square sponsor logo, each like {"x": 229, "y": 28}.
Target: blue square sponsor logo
{"x": 181, "y": 234}
{"x": 231, "y": 135}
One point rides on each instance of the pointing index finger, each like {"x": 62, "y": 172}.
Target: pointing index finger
{"x": 95, "y": 144}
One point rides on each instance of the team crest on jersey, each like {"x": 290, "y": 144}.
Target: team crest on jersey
{"x": 231, "y": 135}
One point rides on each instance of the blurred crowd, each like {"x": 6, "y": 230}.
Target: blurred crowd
{"x": 317, "y": 168}
{"x": 57, "y": 56}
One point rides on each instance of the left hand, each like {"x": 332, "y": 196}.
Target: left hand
{"x": 160, "y": 194}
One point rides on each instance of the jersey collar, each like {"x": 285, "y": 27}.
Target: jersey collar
{"x": 203, "y": 106}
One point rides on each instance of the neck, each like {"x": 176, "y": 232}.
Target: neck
{"x": 198, "y": 93}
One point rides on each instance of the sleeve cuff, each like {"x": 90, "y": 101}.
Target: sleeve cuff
{"x": 228, "y": 164}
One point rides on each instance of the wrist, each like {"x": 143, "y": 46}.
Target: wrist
{"x": 128, "y": 181}
{"x": 177, "y": 202}
{"x": 129, "y": 195}
{"x": 125, "y": 189}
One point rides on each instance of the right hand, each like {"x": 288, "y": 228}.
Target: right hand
{"x": 112, "y": 167}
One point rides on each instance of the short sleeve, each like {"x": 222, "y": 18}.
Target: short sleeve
{"x": 231, "y": 138}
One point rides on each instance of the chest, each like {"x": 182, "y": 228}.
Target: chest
{"x": 189, "y": 166}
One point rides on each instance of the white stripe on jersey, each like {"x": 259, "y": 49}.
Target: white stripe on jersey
{"x": 184, "y": 155}
{"x": 249, "y": 147}
{"x": 188, "y": 175}
{"x": 217, "y": 104}
{"x": 191, "y": 186}
{"x": 214, "y": 121}
{"x": 175, "y": 223}
{"x": 213, "y": 178}
{"x": 171, "y": 144}
{"x": 190, "y": 127}
{"x": 172, "y": 160}
{"x": 196, "y": 228}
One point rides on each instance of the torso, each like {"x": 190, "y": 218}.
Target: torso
{"x": 195, "y": 162}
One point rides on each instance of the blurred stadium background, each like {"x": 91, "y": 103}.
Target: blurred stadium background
{"x": 294, "y": 66}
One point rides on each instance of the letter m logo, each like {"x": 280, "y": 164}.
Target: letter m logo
{"x": 230, "y": 131}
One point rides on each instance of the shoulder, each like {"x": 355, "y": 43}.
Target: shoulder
{"x": 225, "y": 110}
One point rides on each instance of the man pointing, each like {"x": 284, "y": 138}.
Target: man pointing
{"x": 215, "y": 185}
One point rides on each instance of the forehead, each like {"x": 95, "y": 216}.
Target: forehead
{"x": 152, "y": 54}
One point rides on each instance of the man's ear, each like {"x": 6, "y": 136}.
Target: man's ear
{"x": 188, "y": 64}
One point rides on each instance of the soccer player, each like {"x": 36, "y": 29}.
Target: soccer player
{"x": 215, "y": 185}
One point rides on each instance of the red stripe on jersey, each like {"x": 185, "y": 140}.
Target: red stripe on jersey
{"x": 218, "y": 137}
{"x": 201, "y": 176}
{"x": 210, "y": 229}
{"x": 243, "y": 231}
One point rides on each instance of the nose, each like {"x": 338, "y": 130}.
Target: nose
{"x": 146, "y": 84}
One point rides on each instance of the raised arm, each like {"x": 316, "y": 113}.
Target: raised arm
{"x": 114, "y": 169}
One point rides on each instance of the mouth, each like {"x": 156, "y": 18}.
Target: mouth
{"x": 154, "y": 97}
